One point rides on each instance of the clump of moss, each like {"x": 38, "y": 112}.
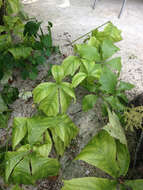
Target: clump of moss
{"x": 134, "y": 118}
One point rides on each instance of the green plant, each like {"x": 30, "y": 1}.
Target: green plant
{"x": 21, "y": 45}
{"x": 107, "y": 151}
{"x": 97, "y": 71}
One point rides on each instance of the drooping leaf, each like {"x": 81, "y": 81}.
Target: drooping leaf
{"x": 20, "y": 52}
{"x": 43, "y": 167}
{"x": 125, "y": 86}
{"x": 108, "y": 49}
{"x": 108, "y": 81}
{"x": 12, "y": 159}
{"x": 78, "y": 78}
{"x": 114, "y": 128}
{"x": 115, "y": 64}
{"x": 70, "y": 65}
{"x": 101, "y": 152}
{"x": 63, "y": 133}
{"x": 58, "y": 73}
{"x": 90, "y": 183}
{"x": 88, "y": 52}
{"x": 123, "y": 158}
{"x": 19, "y": 130}
{"x": 135, "y": 184}
{"x": 89, "y": 101}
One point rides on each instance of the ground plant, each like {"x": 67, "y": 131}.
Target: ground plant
{"x": 34, "y": 139}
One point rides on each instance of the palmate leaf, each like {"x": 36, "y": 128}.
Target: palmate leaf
{"x": 90, "y": 183}
{"x": 88, "y": 52}
{"x": 108, "y": 49}
{"x": 63, "y": 133}
{"x": 70, "y": 65}
{"x": 101, "y": 152}
{"x": 29, "y": 166}
{"x": 114, "y": 128}
{"x": 50, "y": 97}
{"x": 135, "y": 184}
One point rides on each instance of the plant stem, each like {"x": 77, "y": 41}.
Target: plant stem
{"x": 89, "y": 32}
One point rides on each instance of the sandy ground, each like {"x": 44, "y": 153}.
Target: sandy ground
{"x": 80, "y": 18}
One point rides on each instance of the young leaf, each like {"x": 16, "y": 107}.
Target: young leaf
{"x": 78, "y": 78}
{"x": 125, "y": 86}
{"x": 70, "y": 65}
{"x": 20, "y": 52}
{"x": 108, "y": 49}
{"x": 101, "y": 152}
{"x": 19, "y": 130}
{"x": 108, "y": 80}
{"x": 90, "y": 183}
{"x": 58, "y": 73}
{"x": 88, "y": 102}
{"x": 114, "y": 128}
{"x": 123, "y": 158}
{"x": 88, "y": 52}
{"x": 135, "y": 184}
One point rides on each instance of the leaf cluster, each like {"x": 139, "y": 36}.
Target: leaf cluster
{"x": 23, "y": 46}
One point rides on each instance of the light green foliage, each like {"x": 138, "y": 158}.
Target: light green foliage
{"x": 90, "y": 183}
{"x": 135, "y": 184}
{"x": 133, "y": 118}
{"x": 89, "y": 101}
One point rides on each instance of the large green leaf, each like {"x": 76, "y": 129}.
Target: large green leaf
{"x": 114, "y": 128}
{"x": 19, "y": 130}
{"x": 12, "y": 159}
{"x": 22, "y": 172}
{"x": 88, "y": 52}
{"x": 63, "y": 133}
{"x": 90, "y": 183}
{"x": 58, "y": 73}
{"x": 78, "y": 78}
{"x": 71, "y": 65}
{"x": 125, "y": 86}
{"x": 123, "y": 158}
{"x": 88, "y": 102}
{"x": 135, "y": 184}
{"x": 115, "y": 64}
{"x": 3, "y": 106}
{"x": 108, "y": 49}
{"x": 108, "y": 81}
{"x": 43, "y": 167}
{"x": 101, "y": 152}
{"x": 20, "y": 52}
{"x": 53, "y": 98}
